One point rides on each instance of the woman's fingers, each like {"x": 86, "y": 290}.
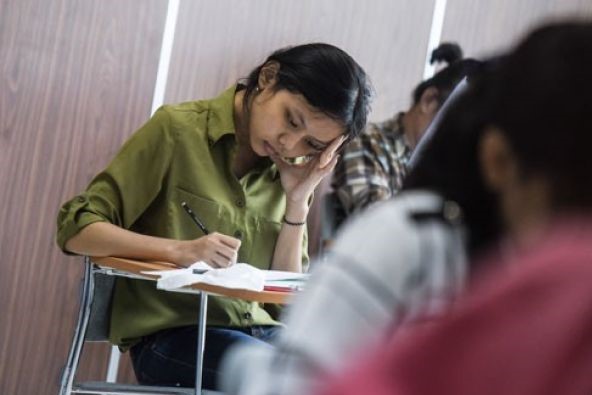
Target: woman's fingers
{"x": 216, "y": 249}
{"x": 229, "y": 241}
{"x": 329, "y": 153}
{"x": 223, "y": 257}
{"x": 219, "y": 262}
{"x": 226, "y": 250}
{"x": 229, "y": 254}
{"x": 330, "y": 166}
{"x": 321, "y": 159}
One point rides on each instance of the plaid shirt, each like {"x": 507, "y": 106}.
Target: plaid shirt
{"x": 372, "y": 165}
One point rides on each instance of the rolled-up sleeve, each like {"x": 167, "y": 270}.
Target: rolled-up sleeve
{"x": 125, "y": 189}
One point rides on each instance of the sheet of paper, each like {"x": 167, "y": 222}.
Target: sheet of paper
{"x": 239, "y": 276}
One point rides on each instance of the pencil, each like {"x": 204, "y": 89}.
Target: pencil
{"x": 190, "y": 212}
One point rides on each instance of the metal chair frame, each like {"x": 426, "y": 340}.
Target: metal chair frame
{"x": 92, "y": 325}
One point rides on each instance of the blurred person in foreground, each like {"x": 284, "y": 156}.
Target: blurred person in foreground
{"x": 524, "y": 328}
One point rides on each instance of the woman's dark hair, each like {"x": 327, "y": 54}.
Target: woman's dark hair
{"x": 329, "y": 79}
{"x": 446, "y": 79}
{"x": 446, "y": 52}
{"x": 543, "y": 105}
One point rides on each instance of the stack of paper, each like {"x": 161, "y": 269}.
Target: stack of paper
{"x": 276, "y": 280}
{"x": 240, "y": 276}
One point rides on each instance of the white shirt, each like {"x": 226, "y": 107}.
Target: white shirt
{"x": 401, "y": 258}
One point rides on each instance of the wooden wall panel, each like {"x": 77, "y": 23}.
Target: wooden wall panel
{"x": 486, "y": 27}
{"x": 76, "y": 78}
{"x": 218, "y": 42}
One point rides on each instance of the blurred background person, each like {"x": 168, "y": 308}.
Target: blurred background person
{"x": 373, "y": 165}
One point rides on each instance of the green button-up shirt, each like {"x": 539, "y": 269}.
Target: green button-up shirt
{"x": 183, "y": 153}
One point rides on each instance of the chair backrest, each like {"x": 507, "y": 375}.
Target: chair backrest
{"x": 332, "y": 215}
{"x": 435, "y": 124}
{"x": 100, "y": 313}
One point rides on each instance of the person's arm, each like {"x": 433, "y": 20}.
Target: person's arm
{"x": 106, "y": 239}
{"x": 288, "y": 250}
{"x": 299, "y": 182}
{"x": 359, "y": 178}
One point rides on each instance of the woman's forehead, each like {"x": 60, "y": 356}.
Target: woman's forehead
{"x": 299, "y": 103}
{"x": 311, "y": 116}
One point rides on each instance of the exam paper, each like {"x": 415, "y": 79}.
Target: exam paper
{"x": 239, "y": 276}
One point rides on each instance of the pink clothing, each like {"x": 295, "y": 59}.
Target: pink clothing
{"x": 523, "y": 330}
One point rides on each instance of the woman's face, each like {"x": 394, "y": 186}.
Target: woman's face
{"x": 524, "y": 200}
{"x": 283, "y": 123}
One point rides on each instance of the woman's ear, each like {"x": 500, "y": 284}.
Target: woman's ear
{"x": 268, "y": 75}
{"x": 429, "y": 102}
{"x": 498, "y": 165}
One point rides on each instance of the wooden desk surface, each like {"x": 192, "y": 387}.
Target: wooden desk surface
{"x": 137, "y": 267}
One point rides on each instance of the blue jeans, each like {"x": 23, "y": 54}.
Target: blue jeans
{"x": 167, "y": 358}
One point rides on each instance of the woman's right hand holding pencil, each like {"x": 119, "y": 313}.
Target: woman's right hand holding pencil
{"x": 215, "y": 249}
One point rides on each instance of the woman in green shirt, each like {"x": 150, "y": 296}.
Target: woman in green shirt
{"x": 231, "y": 159}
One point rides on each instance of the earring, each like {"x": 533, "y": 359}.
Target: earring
{"x": 257, "y": 90}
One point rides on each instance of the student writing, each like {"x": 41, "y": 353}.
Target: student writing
{"x": 228, "y": 159}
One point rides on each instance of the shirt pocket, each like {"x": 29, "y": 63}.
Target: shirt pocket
{"x": 207, "y": 212}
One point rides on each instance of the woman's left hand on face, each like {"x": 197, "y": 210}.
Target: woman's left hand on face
{"x": 300, "y": 180}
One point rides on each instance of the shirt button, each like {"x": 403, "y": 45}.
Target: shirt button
{"x": 238, "y": 234}
{"x": 240, "y": 203}
{"x": 247, "y": 316}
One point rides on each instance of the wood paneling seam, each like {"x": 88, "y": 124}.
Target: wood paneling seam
{"x": 435, "y": 35}
{"x": 168, "y": 38}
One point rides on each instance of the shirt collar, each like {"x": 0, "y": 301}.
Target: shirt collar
{"x": 221, "y": 115}
{"x": 221, "y": 123}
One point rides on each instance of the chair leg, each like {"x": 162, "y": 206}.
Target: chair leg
{"x": 79, "y": 333}
{"x": 201, "y": 340}
{"x": 113, "y": 367}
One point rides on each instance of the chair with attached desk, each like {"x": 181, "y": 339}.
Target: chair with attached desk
{"x": 93, "y": 325}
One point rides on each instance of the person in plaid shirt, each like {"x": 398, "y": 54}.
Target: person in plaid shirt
{"x": 374, "y": 164}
